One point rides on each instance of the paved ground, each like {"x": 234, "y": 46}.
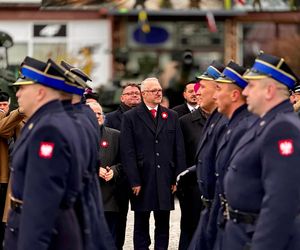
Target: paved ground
{"x": 174, "y": 229}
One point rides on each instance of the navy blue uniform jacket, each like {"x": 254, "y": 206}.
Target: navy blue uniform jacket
{"x": 263, "y": 178}
{"x": 43, "y": 160}
{"x": 152, "y": 156}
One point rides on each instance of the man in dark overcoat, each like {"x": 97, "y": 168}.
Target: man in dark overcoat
{"x": 152, "y": 154}
{"x": 130, "y": 97}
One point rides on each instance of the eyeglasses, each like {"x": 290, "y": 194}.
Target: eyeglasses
{"x": 132, "y": 93}
{"x": 99, "y": 113}
{"x": 154, "y": 91}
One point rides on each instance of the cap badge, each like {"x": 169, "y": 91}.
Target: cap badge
{"x": 46, "y": 150}
{"x": 286, "y": 147}
{"x": 164, "y": 115}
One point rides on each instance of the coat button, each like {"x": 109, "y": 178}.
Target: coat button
{"x": 235, "y": 220}
{"x": 158, "y": 166}
{"x": 156, "y": 141}
{"x": 217, "y": 174}
{"x": 157, "y": 154}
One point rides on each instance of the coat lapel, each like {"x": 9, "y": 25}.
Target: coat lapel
{"x": 161, "y": 121}
{"x": 144, "y": 115}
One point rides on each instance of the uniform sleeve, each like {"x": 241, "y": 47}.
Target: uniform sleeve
{"x": 47, "y": 168}
{"x": 280, "y": 157}
{"x": 128, "y": 152}
{"x": 9, "y": 123}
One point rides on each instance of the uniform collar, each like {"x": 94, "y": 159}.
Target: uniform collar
{"x": 283, "y": 107}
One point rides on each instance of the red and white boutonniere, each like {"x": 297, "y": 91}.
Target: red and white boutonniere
{"x": 104, "y": 144}
{"x": 164, "y": 115}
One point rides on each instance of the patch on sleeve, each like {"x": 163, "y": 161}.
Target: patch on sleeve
{"x": 46, "y": 150}
{"x": 286, "y": 147}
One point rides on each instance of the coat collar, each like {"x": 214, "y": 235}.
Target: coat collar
{"x": 283, "y": 107}
{"x": 50, "y": 107}
{"x": 145, "y": 116}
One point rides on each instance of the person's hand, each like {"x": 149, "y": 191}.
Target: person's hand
{"x": 136, "y": 190}
{"x": 109, "y": 174}
{"x": 173, "y": 188}
{"x": 102, "y": 172}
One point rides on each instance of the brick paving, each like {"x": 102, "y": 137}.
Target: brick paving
{"x": 174, "y": 229}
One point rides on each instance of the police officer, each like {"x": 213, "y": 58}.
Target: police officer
{"x": 262, "y": 182}
{"x": 232, "y": 104}
{"x": 44, "y": 162}
{"x": 99, "y": 236}
{"x": 205, "y": 154}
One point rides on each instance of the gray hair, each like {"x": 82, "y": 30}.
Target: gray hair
{"x": 150, "y": 79}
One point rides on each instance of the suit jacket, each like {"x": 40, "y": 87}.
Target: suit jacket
{"x": 192, "y": 125}
{"x": 110, "y": 156}
{"x": 182, "y": 109}
{"x": 263, "y": 178}
{"x": 152, "y": 155}
{"x": 114, "y": 119}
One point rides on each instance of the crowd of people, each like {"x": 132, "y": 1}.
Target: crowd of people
{"x": 229, "y": 153}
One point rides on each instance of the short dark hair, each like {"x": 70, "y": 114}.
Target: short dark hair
{"x": 131, "y": 84}
{"x": 190, "y": 82}
{"x": 4, "y": 97}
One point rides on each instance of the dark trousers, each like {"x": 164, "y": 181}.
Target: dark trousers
{"x": 141, "y": 237}
{"x": 123, "y": 202}
{"x": 111, "y": 219}
{"x": 3, "y": 189}
{"x": 191, "y": 206}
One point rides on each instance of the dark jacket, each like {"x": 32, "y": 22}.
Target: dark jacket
{"x": 110, "y": 156}
{"x": 152, "y": 154}
{"x": 264, "y": 167}
{"x": 114, "y": 119}
{"x": 182, "y": 109}
{"x": 192, "y": 125}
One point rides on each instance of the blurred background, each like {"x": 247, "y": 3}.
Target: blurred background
{"x": 119, "y": 41}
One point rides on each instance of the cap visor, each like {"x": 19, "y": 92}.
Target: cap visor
{"x": 21, "y": 81}
{"x": 205, "y": 77}
{"x": 224, "y": 80}
{"x": 254, "y": 75}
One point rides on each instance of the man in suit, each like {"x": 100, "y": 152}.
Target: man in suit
{"x": 109, "y": 170}
{"x": 188, "y": 192}
{"x": 205, "y": 154}
{"x": 190, "y": 104}
{"x": 264, "y": 209}
{"x": 232, "y": 104}
{"x": 130, "y": 97}
{"x": 152, "y": 153}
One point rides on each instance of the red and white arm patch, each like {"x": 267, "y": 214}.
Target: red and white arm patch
{"x": 286, "y": 147}
{"x": 46, "y": 150}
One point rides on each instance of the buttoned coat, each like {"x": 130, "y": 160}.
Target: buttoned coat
{"x": 152, "y": 155}
{"x": 45, "y": 165}
{"x": 263, "y": 178}
{"x": 206, "y": 153}
{"x": 238, "y": 124}
{"x": 110, "y": 156}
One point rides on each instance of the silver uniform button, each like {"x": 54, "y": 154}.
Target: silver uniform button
{"x": 158, "y": 166}
{"x": 262, "y": 123}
